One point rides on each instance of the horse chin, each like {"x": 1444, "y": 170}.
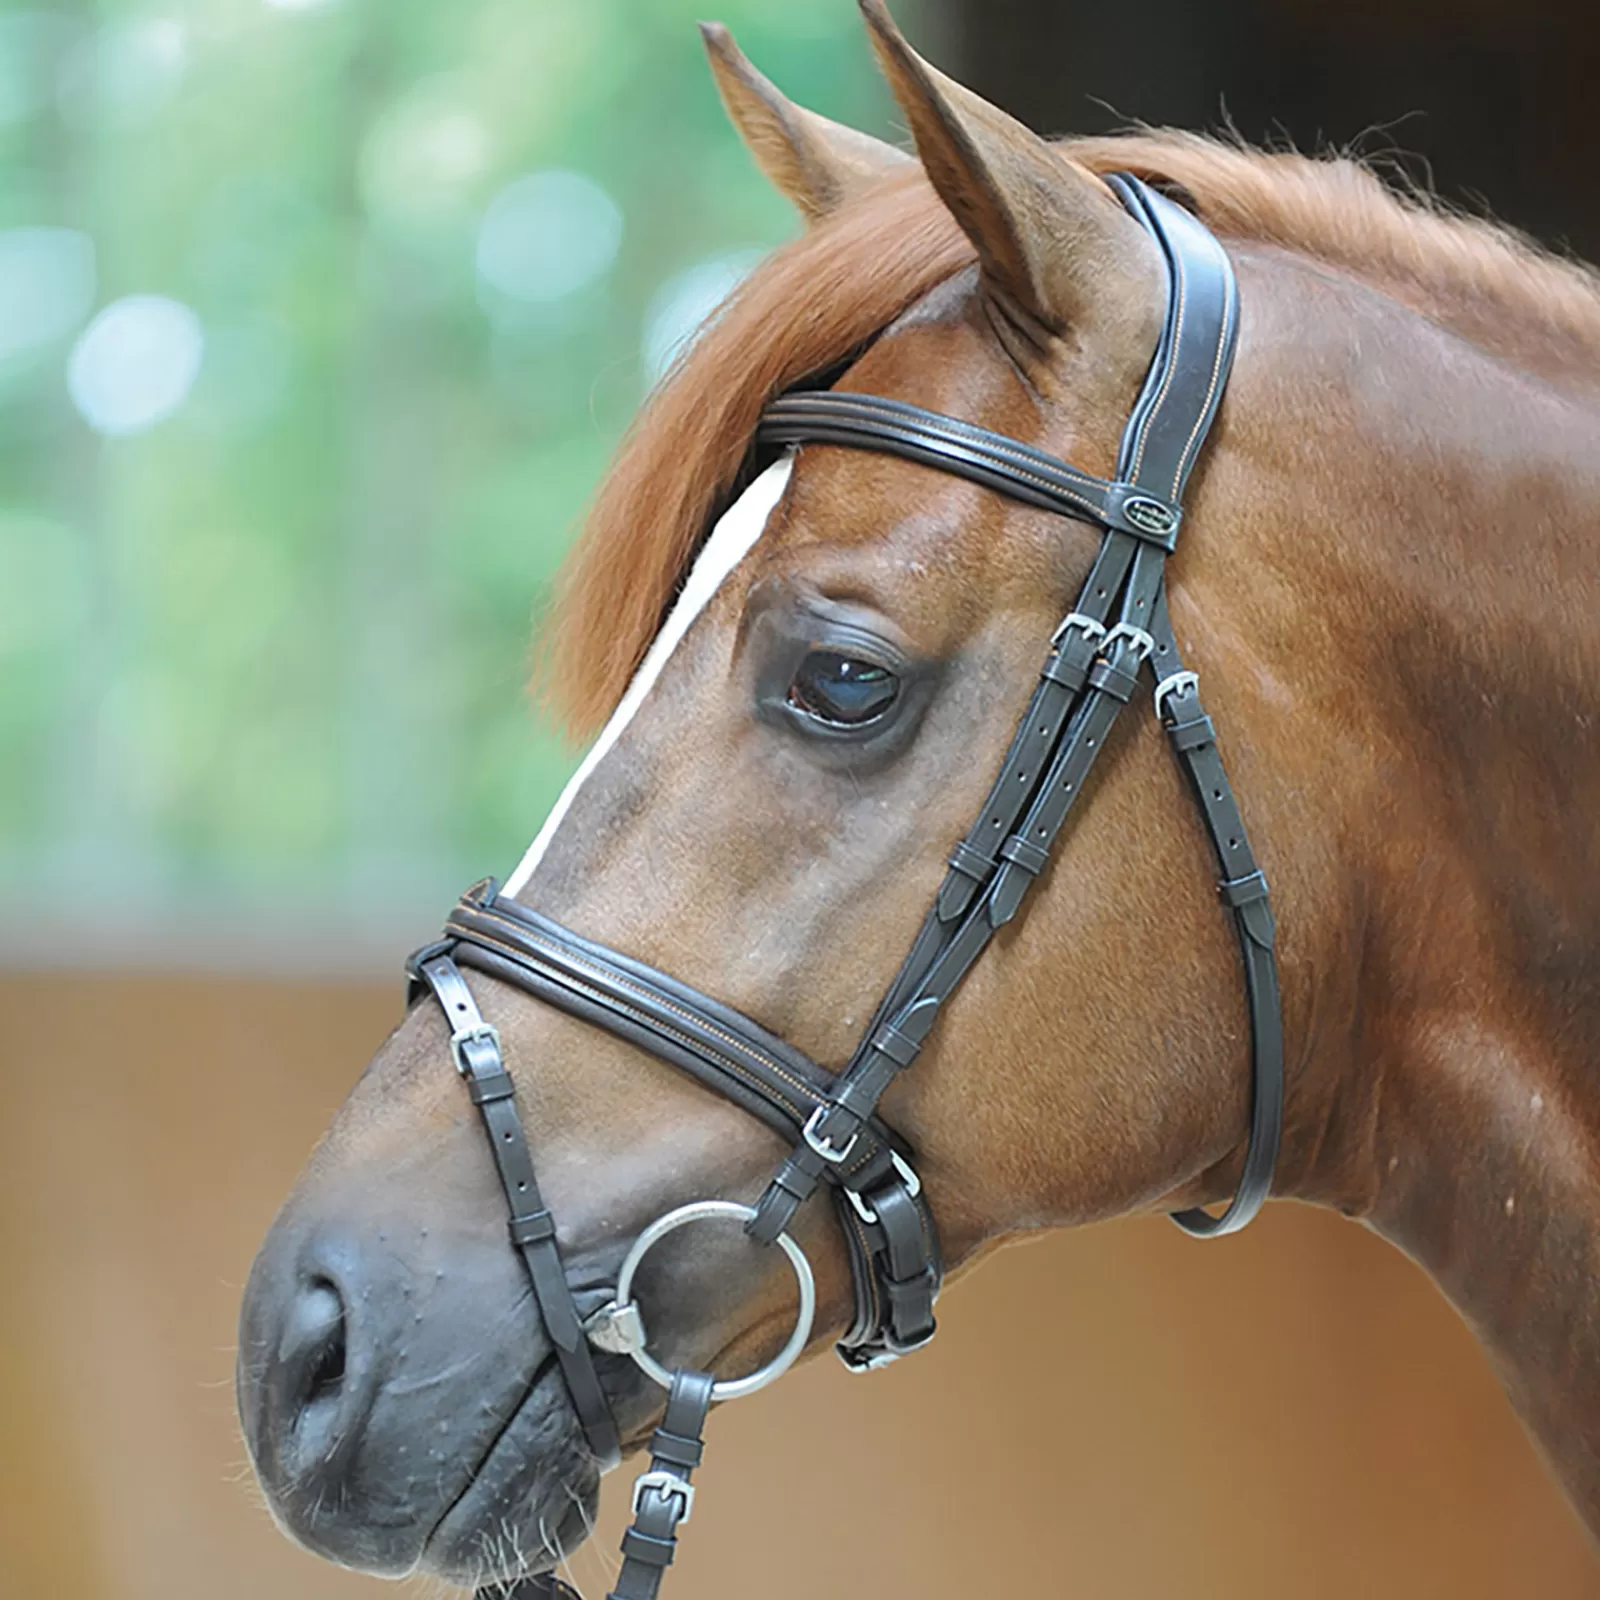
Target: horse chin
{"x": 528, "y": 1504}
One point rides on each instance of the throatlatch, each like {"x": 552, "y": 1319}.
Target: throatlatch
{"x": 1119, "y": 625}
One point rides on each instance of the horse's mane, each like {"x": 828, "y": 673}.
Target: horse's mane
{"x": 814, "y": 302}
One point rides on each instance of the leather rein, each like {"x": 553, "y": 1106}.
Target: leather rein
{"x": 1119, "y": 625}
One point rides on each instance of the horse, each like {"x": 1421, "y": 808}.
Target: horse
{"x": 1387, "y": 578}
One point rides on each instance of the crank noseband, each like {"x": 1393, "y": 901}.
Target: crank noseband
{"x": 1119, "y": 626}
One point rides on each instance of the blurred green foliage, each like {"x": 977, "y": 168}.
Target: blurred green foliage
{"x": 271, "y": 545}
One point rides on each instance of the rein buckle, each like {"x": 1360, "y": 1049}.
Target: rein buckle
{"x": 669, "y": 1486}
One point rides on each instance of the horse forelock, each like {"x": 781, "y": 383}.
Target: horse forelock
{"x": 821, "y": 297}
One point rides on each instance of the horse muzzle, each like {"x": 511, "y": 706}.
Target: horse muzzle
{"x": 402, "y": 1409}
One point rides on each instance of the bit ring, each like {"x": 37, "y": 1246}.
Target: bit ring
{"x": 618, "y": 1312}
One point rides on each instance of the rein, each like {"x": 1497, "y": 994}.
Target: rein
{"x": 1119, "y": 624}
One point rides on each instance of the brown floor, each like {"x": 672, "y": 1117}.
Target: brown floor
{"x": 1116, "y": 1414}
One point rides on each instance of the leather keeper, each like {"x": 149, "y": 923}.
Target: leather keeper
{"x": 899, "y": 1047}
{"x": 1115, "y": 681}
{"x": 1191, "y": 733}
{"x": 1070, "y": 673}
{"x": 1026, "y": 854}
{"x": 1243, "y": 891}
{"x": 490, "y": 1086}
{"x": 534, "y": 1228}
{"x": 675, "y": 1449}
{"x": 971, "y": 863}
{"x": 648, "y": 1549}
{"x": 920, "y": 1284}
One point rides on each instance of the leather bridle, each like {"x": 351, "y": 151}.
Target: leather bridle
{"x": 838, "y": 1141}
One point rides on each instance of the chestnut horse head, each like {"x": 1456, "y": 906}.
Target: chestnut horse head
{"x": 808, "y": 681}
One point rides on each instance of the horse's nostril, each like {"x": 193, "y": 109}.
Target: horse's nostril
{"x": 326, "y": 1310}
{"x": 315, "y": 1352}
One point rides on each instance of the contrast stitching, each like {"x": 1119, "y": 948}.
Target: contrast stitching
{"x": 814, "y": 1098}
{"x": 649, "y": 1022}
{"x": 1180, "y": 273}
{"x": 1201, "y": 421}
{"x": 561, "y": 958}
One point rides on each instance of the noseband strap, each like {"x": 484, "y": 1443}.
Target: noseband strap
{"x": 1118, "y": 626}
{"x": 890, "y": 1232}
{"x": 476, "y": 1049}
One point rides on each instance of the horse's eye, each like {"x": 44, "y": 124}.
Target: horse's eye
{"x": 843, "y": 690}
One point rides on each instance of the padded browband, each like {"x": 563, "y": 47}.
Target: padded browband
{"x": 869, "y": 422}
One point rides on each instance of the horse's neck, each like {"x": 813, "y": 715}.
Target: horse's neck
{"x": 1455, "y": 1066}
{"x": 1488, "y": 1179}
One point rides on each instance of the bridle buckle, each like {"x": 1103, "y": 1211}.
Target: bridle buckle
{"x": 1141, "y": 641}
{"x": 1088, "y": 626}
{"x": 830, "y": 1152}
{"x": 1173, "y": 683}
{"x": 475, "y": 1033}
{"x": 669, "y": 1486}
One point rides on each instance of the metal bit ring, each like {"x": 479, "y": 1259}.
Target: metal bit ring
{"x": 623, "y": 1312}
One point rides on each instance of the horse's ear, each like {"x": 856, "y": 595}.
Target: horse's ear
{"x": 1052, "y": 239}
{"x": 815, "y": 164}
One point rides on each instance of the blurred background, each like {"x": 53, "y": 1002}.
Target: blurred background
{"x": 319, "y": 320}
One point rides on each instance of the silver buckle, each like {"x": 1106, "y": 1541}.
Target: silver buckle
{"x": 830, "y": 1152}
{"x": 485, "y": 1032}
{"x": 666, "y": 1484}
{"x": 1090, "y": 629}
{"x": 913, "y": 1188}
{"x": 1173, "y": 684}
{"x": 1137, "y": 637}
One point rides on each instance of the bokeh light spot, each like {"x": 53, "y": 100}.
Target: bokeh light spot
{"x": 47, "y": 283}
{"x": 121, "y": 74}
{"x": 135, "y": 363}
{"x": 684, "y": 304}
{"x": 547, "y": 236}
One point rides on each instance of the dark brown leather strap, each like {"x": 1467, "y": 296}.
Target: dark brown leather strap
{"x": 663, "y": 1497}
{"x": 476, "y": 1049}
{"x": 1243, "y": 890}
{"x": 869, "y": 422}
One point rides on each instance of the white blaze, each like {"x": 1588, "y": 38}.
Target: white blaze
{"x": 731, "y": 540}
